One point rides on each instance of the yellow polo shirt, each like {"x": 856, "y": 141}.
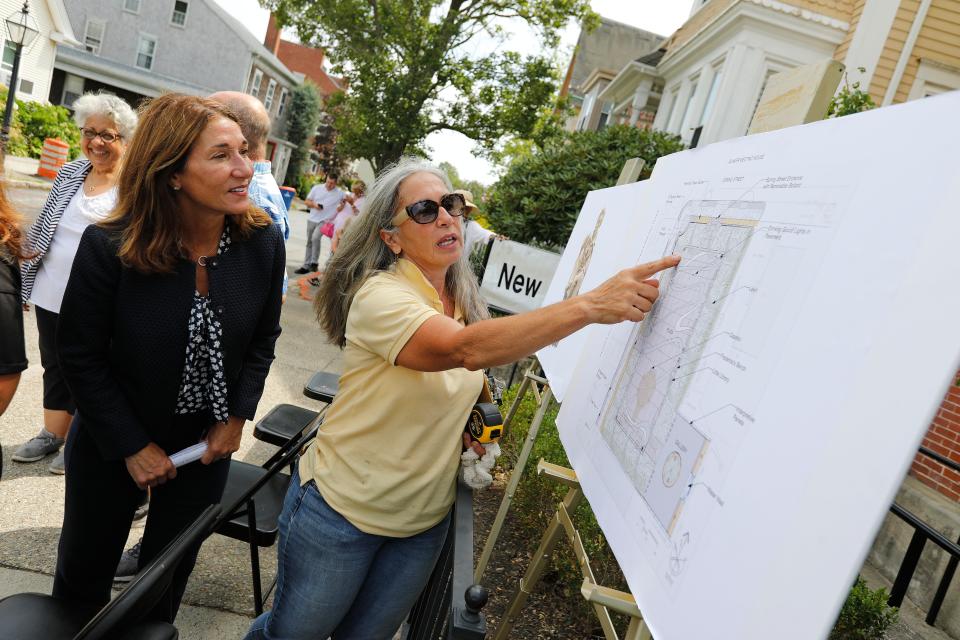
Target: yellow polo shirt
{"x": 386, "y": 457}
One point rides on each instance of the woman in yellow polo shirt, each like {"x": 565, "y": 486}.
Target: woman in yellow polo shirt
{"x": 367, "y": 510}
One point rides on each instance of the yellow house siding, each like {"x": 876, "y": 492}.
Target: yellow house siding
{"x": 839, "y": 9}
{"x": 698, "y": 21}
{"x": 938, "y": 40}
{"x": 891, "y": 50}
{"x": 841, "y": 51}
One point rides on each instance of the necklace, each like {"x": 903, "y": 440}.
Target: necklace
{"x": 89, "y": 185}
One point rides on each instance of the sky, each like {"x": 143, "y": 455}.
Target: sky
{"x": 658, "y": 16}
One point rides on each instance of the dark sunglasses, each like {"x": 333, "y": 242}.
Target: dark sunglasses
{"x": 426, "y": 211}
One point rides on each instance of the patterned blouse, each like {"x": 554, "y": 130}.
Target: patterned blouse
{"x": 203, "y": 386}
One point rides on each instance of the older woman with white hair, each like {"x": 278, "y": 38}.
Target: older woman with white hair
{"x": 368, "y": 506}
{"x": 84, "y": 193}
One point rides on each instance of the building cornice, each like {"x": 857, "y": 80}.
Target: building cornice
{"x": 628, "y": 78}
{"x": 63, "y": 32}
{"x": 766, "y": 13}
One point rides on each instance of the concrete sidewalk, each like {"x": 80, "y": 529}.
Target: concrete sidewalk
{"x": 219, "y": 595}
{"x": 22, "y": 172}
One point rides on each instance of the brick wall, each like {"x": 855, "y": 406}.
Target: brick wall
{"x": 943, "y": 438}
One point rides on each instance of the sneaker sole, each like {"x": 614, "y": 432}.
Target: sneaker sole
{"x": 17, "y": 458}
{"x": 57, "y": 472}
{"x": 123, "y": 578}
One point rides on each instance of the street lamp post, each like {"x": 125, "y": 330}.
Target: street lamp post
{"x": 21, "y": 32}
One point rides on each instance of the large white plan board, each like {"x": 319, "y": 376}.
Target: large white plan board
{"x": 592, "y": 255}
{"x": 741, "y": 446}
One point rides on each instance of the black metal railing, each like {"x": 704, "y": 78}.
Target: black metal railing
{"x": 921, "y": 533}
{"x": 449, "y": 606}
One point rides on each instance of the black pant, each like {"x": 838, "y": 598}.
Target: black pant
{"x": 101, "y": 498}
{"x": 56, "y": 395}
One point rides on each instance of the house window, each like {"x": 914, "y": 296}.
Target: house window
{"x": 711, "y": 96}
{"x": 179, "y": 13}
{"x": 686, "y": 107}
{"x": 284, "y": 94}
{"x": 674, "y": 94}
{"x": 146, "y": 50}
{"x": 93, "y": 37}
{"x": 133, "y": 6}
{"x": 256, "y": 82}
{"x": 605, "y": 109}
{"x": 586, "y": 109}
{"x": 271, "y": 90}
{"x": 72, "y": 89}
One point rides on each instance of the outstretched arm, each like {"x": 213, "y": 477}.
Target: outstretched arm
{"x": 442, "y": 343}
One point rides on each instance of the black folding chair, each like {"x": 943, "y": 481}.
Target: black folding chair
{"x": 252, "y": 502}
{"x": 35, "y": 616}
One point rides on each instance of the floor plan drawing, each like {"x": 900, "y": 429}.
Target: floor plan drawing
{"x": 640, "y": 418}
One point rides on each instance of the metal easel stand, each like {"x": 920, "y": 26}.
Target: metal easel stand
{"x": 603, "y": 599}
{"x": 531, "y": 380}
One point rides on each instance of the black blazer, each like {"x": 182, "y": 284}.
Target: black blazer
{"x": 122, "y": 335}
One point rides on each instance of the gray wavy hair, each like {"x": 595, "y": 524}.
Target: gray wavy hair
{"x": 362, "y": 253}
{"x": 108, "y": 106}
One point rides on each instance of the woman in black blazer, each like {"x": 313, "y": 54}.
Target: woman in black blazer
{"x": 166, "y": 336}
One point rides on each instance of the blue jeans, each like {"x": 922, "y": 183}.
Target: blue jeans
{"x": 334, "y": 580}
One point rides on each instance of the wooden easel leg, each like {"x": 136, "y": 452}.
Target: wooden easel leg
{"x": 515, "y": 476}
{"x": 539, "y": 564}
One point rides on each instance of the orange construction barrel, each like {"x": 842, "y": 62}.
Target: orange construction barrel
{"x": 52, "y": 157}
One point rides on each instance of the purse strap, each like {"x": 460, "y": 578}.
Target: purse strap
{"x": 485, "y": 394}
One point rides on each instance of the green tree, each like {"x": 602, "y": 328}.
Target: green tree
{"x": 538, "y": 199}
{"x": 331, "y": 158}
{"x": 412, "y": 68}
{"x": 302, "y": 121}
{"x": 478, "y": 189}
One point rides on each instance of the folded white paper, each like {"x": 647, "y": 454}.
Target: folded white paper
{"x": 188, "y": 455}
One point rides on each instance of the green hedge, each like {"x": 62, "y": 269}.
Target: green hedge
{"x": 34, "y": 122}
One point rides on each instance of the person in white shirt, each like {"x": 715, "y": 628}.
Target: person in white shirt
{"x": 322, "y": 202}
{"x": 350, "y": 207}
{"x": 474, "y": 234}
{"x": 84, "y": 193}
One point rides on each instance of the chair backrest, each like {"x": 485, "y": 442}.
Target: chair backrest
{"x": 150, "y": 583}
{"x": 292, "y": 450}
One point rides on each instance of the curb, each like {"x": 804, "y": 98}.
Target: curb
{"x": 28, "y": 184}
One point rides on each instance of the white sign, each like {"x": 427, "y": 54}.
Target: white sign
{"x": 742, "y": 445}
{"x": 517, "y": 276}
{"x": 591, "y": 256}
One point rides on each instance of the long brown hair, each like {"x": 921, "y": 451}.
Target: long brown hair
{"x": 147, "y": 214}
{"x": 11, "y": 237}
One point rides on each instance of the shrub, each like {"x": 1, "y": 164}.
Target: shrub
{"x": 850, "y": 99}
{"x": 306, "y": 182}
{"x": 865, "y": 615}
{"x": 34, "y": 122}
{"x": 538, "y": 199}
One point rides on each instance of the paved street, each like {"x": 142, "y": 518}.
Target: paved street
{"x": 31, "y": 499}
